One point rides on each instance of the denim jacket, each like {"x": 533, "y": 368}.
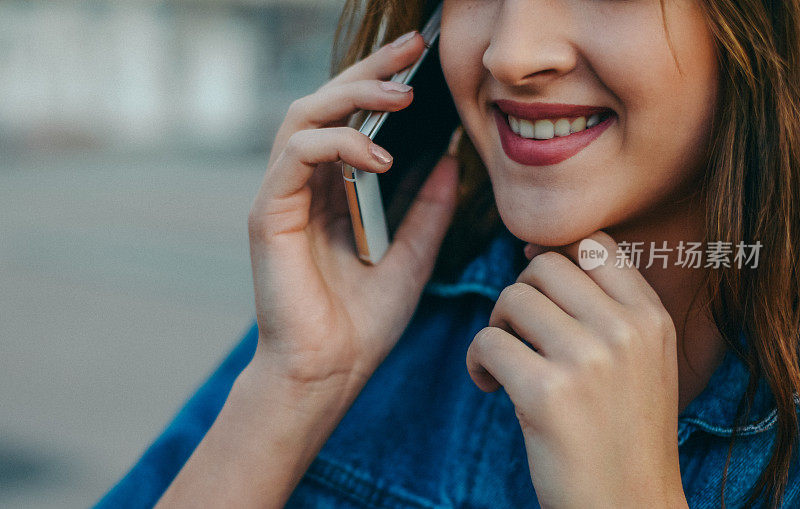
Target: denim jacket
{"x": 422, "y": 435}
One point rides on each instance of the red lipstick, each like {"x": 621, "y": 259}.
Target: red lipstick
{"x": 534, "y": 152}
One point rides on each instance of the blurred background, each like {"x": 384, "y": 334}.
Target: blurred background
{"x": 133, "y": 138}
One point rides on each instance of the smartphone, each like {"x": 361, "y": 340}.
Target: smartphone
{"x": 416, "y": 136}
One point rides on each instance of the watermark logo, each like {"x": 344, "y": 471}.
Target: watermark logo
{"x": 693, "y": 255}
{"x": 591, "y": 254}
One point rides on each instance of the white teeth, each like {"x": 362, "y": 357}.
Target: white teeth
{"x": 545, "y": 129}
{"x": 562, "y": 127}
{"x": 578, "y": 125}
{"x": 525, "y": 128}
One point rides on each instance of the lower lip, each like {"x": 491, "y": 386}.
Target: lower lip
{"x": 533, "y": 152}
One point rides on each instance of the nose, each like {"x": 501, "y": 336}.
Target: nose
{"x": 531, "y": 43}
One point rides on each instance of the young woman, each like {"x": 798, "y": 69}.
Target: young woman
{"x": 590, "y": 125}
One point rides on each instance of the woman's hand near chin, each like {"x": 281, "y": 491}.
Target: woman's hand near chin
{"x": 597, "y": 399}
{"x": 325, "y": 319}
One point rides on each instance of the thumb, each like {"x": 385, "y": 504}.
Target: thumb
{"x": 419, "y": 237}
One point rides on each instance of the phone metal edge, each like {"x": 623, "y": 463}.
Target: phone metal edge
{"x": 429, "y": 34}
{"x": 362, "y": 188}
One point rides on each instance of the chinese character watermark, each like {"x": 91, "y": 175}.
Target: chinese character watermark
{"x": 717, "y": 254}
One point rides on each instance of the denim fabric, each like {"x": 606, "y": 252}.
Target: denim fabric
{"x": 421, "y": 435}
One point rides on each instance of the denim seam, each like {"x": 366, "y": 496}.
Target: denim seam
{"x": 751, "y": 429}
{"x": 684, "y": 432}
{"x": 359, "y": 488}
{"x": 481, "y": 441}
{"x": 453, "y": 290}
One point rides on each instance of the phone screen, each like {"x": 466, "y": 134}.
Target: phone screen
{"x": 417, "y": 137}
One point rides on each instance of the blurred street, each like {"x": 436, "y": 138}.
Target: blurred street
{"x": 124, "y": 283}
{"x": 133, "y": 138}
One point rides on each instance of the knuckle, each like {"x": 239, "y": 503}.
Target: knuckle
{"x": 550, "y": 391}
{"x": 354, "y": 136}
{"x": 544, "y": 261}
{"x": 659, "y": 319}
{"x": 297, "y": 107}
{"x": 621, "y": 334}
{"x": 483, "y": 340}
{"x": 295, "y": 143}
{"x": 353, "y": 142}
{"x": 514, "y": 291}
{"x": 593, "y": 359}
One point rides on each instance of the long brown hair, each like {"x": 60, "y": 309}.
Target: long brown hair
{"x": 751, "y": 188}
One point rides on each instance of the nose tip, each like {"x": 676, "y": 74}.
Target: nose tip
{"x": 532, "y": 65}
{"x": 530, "y": 44}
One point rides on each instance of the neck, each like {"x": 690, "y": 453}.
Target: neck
{"x": 700, "y": 344}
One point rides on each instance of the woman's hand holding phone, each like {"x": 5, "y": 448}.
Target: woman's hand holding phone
{"x": 326, "y": 320}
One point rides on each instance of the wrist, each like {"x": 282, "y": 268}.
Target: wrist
{"x": 301, "y": 391}
{"x": 285, "y": 419}
{"x": 262, "y": 442}
{"x": 267, "y": 395}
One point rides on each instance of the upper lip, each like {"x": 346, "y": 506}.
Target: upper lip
{"x": 540, "y": 110}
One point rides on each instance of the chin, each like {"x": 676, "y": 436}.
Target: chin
{"x": 548, "y": 231}
{"x": 547, "y": 227}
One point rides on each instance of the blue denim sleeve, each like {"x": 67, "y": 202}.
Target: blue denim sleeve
{"x": 144, "y": 484}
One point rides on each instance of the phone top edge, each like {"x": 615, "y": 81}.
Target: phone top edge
{"x": 431, "y": 29}
{"x": 429, "y": 33}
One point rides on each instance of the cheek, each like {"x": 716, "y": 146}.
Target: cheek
{"x": 666, "y": 99}
{"x": 461, "y": 46}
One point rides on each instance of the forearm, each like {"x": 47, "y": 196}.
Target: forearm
{"x": 260, "y": 445}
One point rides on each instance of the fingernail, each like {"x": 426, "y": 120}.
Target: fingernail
{"x": 393, "y": 86}
{"x": 403, "y": 39}
{"x": 380, "y": 154}
{"x": 528, "y": 251}
{"x": 532, "y": 250}
{"x": 455, "y": 138}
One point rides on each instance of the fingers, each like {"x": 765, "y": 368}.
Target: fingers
{"x": 356, "y": 88}
{"x": 619, "y": 279}
{"x": 308, "y": 148}
{"x": 523, "y": 310}
{"x": 284, "y": 199}
{"x": 496, "y": 358}
{"x": 608, "y": 302}
{"x": 569, "y": 287}
{"x": 303, "y": 141}
{"x": 384, "y": 62}
{"x": 417, "y": 240}
{"x": 335, "y": 102}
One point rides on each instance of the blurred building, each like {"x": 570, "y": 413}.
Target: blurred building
{"x": 133, "y": 138}
{"x": 156, "y": 75}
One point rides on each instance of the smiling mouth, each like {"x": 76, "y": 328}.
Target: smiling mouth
{"x": 540, "y": 134}
{"x": 545, "y": 129}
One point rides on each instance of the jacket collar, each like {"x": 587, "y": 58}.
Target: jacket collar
{"x": 496, "y": 267}
{"x": 713, "y": 410}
